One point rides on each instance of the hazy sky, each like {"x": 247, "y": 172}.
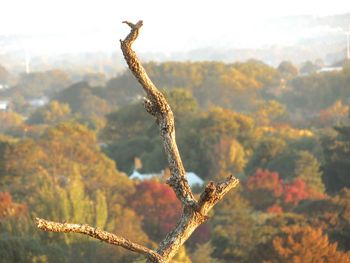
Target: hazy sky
{"x": 78, "y": 25}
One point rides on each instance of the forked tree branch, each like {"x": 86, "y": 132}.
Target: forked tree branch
{"x": 194, "y": 212}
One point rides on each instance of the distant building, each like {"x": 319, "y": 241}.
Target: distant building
{"x": 38, "y": 102}
{"x": 3, "y": 86}
{"x": 4, "y": 105}
{"x": 192, "y": 178}
{"x": 329, "y": 69}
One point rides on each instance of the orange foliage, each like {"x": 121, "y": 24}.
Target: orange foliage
{"x": 10, "y": 209}
{"x": 298, "y": 244}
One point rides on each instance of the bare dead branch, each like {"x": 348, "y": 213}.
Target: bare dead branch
{"x": 194, "y": 213}
{"x": 98, "y": 234}
{"x": 156, "y": 105}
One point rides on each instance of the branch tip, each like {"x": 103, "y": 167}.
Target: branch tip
{"x": 132, "y": 25}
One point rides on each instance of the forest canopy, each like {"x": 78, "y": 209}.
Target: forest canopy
{"x": 283, "y": 131}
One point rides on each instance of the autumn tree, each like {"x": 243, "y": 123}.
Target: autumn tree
{"x": 10, "y": 121}
{"x": 63, "y": 174}
{"x": 302, "y": 244}
{"x": 265, "y": 190}
{"x": 194, "y": 212}
{"x": 332, "y": 215}
{"x": 158, "y": 206}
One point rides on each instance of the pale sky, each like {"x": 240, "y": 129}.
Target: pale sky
{"x": 77, "y": 25}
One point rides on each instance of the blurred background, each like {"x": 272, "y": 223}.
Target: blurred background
{"x": 259, "y": 89}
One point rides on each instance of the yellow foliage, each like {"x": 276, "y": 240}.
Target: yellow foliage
{"x": 286, "y": 132}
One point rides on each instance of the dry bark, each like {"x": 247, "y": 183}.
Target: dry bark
{"x": 195, "y": 212}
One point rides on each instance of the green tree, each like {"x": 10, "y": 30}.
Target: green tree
{"x": 51, "y": 114}
{"x": 287, "y": 69}
{"x": 336, "y": 148}
{"x": 182, "y": 103}
{"x": 269, "y": 112}
{"x": 220, "y": 129}
{"x": 85, "y": 102}
{"x": 101, "y": 209}
{"x": 307, "y": 168}
{"x": 42, "y": 83}
{"x": 234, "y": 229}
{"x": 268, "y": 150}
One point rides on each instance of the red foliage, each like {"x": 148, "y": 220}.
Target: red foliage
{"x": 158, "y": 205}
{"x": 267, "y": 180}
{"x": 267, "y": 191}
{"x": 296, "y": 191}
{"x": 10, "y": 209}
{"x": 275, "y": 209}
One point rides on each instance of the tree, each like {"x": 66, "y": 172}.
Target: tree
{"x": 194, "y": 212}
{"x": 52, "y": 113}
{"x": 234, "y": 229}
{"x": 332, "y": 215}
{"x": 307, "y": 168}
{"x": 302, "y": 244}
{"x": 264, "y": 188}
{"x": 85, "y": 103}
{"x": 75, "y": 149}
{"x": 10, "y": 121}
{"x": 336, "y": 148}
{"x": 308, "y": 67}
{"x": 158, "y": 206}
{"x": 42, "y": 83}
{"x": 268, "y": 149}
{"x": 287, "y": 69}
{"x": 269, "y": 112}
{"x": 221, "y": 142}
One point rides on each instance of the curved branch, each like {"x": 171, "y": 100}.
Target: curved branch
{"x": 98, "y": 234}
{"x": 156, "y": 105}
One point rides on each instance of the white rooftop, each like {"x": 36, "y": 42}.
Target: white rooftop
{"x": 192, "y": 178}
